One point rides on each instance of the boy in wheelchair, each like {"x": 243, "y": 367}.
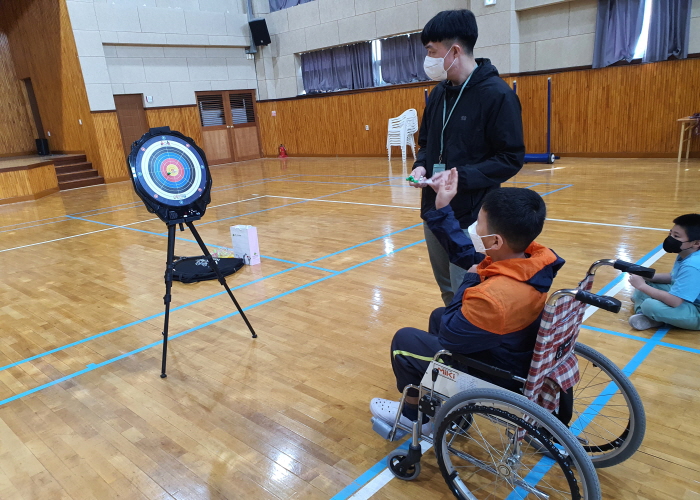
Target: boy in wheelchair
{"x": 495, "y": 315}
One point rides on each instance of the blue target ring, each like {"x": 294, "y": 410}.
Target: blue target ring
{"x": 170, "y": 170}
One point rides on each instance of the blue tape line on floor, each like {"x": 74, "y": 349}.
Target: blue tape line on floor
{"x": 223, "y": 292}
{"x": 94, "y": 366}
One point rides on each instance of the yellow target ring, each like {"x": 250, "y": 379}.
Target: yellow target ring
{"x": 172, "y": 170}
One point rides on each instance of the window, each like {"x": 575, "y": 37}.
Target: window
{"x": 211, "y": 110}
{"x": 644, "y": 37}
{"x": 242, "y": 110}
{"x": 360, "y": 65}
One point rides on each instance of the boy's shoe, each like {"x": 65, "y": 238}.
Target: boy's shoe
{"x": 386, "y": 410}
{"x": 641, "y": 322}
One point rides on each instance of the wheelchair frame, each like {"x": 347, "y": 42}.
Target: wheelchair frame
{"x": 441, "y": 383}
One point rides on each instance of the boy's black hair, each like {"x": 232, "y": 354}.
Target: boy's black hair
{"x": 516, "y": 214}
{"x": 690, "y": 224}
{"x": 448, "y": 25}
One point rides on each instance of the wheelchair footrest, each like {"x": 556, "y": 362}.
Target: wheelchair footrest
{"x": 384, "y": 429}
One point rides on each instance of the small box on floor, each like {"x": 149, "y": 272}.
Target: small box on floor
{"x": 244, "y": 240}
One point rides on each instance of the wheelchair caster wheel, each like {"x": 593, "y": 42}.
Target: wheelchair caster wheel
{"x": 400, "y": 471}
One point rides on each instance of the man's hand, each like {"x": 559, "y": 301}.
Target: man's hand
{"x": 446, "y": 188}
{"x": 637, "y": 281}
{"x": 417, "y": 173}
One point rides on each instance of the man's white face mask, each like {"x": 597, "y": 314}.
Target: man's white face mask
{"x": 435, "y": 67}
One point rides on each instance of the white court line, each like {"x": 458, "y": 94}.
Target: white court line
{"x": 381, "y": 480}
{"x": 346, "y": 202}
{"x": 418, "y": 208}
{"x": 548, "y": 169}
{"x": 69, "y": 237}
{"x": 109, "y": 228}
{"x": 611, "y": 225}
{"x": 590, "y": 310}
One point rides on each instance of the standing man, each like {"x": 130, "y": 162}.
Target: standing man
{"x": 472, "y": 122}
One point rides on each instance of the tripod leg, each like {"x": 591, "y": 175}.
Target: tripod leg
{"x": 166, "y": 298}
{"x": 222, "y": 279}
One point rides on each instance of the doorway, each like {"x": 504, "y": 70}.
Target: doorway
{"x": 229, "y": 125}
{"x": 132, "y": 119}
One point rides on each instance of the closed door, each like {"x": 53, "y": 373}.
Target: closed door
{"x": 132, "y": 119}
{"x": 229, "y": 126}
{"x": 244, "y": 125}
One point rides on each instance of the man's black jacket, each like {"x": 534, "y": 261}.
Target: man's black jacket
{"x": 483, "y": 139}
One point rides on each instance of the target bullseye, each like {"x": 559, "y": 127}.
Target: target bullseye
{"x": 172, "y": 170}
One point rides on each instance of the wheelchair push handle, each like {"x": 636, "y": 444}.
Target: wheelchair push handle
{"x": 602, "y": 301}
{"x": 628, "y": 267}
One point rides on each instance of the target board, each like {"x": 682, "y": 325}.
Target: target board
{"x": 171, "y": 175}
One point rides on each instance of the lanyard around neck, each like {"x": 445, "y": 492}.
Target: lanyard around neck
{"x": 445, "y": 121}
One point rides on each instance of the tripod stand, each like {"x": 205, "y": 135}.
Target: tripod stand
{"x": 169, "y": 281}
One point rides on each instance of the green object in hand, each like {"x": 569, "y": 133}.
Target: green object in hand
{"x": 411, "y": 179}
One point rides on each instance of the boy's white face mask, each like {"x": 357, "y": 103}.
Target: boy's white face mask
{"x": 476, "y": 239}
{"x": 434, "y": 67}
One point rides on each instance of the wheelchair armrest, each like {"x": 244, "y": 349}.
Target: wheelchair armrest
{"x": 485, "y": 368}
{"x": 628, "y": 267}
{"x": 604, "y": 302}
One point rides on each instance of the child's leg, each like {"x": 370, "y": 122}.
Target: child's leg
{"x": 435, "y": 320}
{"x": 412, "y": 350}
{"x": 639, "y": 297}
{"x": 686, "y": 316}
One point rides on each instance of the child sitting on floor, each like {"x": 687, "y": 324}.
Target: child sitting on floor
{"x": 672, "y": 298}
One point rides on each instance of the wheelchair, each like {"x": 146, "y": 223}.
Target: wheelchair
{"x": 576, "y": 412}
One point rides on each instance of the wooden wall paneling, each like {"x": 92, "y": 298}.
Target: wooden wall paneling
{"x": 335, "y": 124}
{"x": 184, "y": 119}
{"x": 42, "y": 180}
{"x": 623, "y": 110}
{"x": 16, "y": 131}
{"x": 28, "y": 183}
{"x": 51, "y": 61}
{"x": 110, "y": 147}
{"x": 14, "y": 184}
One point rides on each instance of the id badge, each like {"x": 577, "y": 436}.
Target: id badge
{"x": 438, "y": 167}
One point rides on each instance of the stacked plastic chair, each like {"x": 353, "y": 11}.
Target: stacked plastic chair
{"x": 401, "y": 132}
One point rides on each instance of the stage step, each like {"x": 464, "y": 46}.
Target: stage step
{"x": 74, "y": 167}
{"x": 69, "y": 160}
{"x": 79, "y": 174}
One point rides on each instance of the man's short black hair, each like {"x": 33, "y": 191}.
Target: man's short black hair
{"x": 517, "y": 214}
{"x": 690, "y": 224}
{"x": 449, "y": 25}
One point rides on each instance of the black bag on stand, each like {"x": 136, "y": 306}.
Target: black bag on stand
{"x": 194, "y": 269}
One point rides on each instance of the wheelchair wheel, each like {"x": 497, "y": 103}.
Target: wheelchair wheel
{"x": 608, "y": 414}
{"x": 408, "y": 473}
{"x": 488, "y": 445}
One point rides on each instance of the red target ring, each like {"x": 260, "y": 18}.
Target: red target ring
{"x": 172, "y": 170}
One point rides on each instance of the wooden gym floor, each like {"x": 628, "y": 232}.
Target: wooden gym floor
{"x": 84, "y": 414}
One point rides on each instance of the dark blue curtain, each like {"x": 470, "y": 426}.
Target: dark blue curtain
{"x": 276, "y": 5}
{"x": 669, "y": 30}
{"x": 617, "y": 30}
{"x": 340, "y": 68}
{"x": 402, "y": 59}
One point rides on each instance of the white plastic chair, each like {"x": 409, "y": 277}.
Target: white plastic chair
{"x": 401, "y": 131}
